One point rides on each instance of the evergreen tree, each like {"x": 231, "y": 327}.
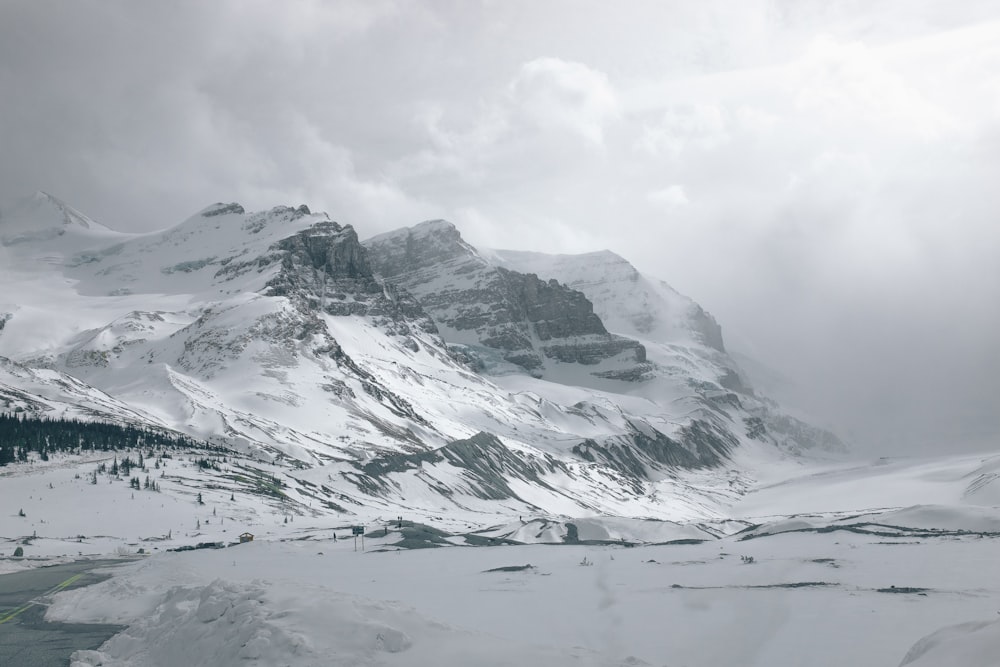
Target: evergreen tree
{"x": 20, "y": 435}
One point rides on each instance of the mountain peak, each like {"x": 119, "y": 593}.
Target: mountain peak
{"x": 628, "y": 302}
{"x": 438, "y": 228}
{"x": 220, "y": 208}
{"x": 420, "y": 246}
{"x": 436, "y": 223}
{"x": 435, "y": 227}
{"x": 43, "y": 217}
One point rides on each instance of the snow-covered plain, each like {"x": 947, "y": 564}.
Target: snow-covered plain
{"x": 806, "y": 600}
{"x": 860, "y": 579}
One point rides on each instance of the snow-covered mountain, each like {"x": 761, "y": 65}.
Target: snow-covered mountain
{"x": 506, "y": 321}
{"x": 412, "y": 371}
{"x": 42, "y": 217}
{"x": 626, "y": 301}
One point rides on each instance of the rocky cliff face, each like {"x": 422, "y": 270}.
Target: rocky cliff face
{"x": 683, "y": 341}
{"x": 324, "y": 268}
{"x": 504, "y": 319}
{"x": 277, "y": 332}
{"x": 266, "y": 298}
{"x": 627, "y": 302}
{"x": 673, "y": 327}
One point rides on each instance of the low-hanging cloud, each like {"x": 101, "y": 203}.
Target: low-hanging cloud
{"x": 821, "y": 176}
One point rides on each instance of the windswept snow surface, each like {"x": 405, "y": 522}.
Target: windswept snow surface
{"x": 806, "y": 599}
{"x": 883, "y": 483}
{"x": 860, "y": 583}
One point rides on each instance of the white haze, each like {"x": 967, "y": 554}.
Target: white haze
{"x": 819, "y": 175}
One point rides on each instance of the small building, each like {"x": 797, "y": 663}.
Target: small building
{"x": 246, "y": 537}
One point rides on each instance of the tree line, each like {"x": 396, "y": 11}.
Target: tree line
{"x": 21, "y": 435}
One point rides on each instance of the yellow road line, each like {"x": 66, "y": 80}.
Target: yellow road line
{"x": 20, "y": 610}
{"x": 66, "y": 583}
{"x": 15, "y": 613}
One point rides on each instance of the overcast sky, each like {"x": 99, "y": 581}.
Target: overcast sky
{"x": 822, "y": 176}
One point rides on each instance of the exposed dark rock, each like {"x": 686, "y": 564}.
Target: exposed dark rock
{"x": 707, "y": 328}
{"x": 644, "y": 449}
{"x": 527, "y": 319}
{"x": 325, "y": 268}
{"x": 652, "y": 308}
{"x": 486, "y": 463}
{"x": 755, "y": 428}
{"x": 222, "y": 209}
{"x": 510, "y": 568}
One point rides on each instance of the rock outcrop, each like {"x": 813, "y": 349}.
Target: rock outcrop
{"x": 626, "y": 301}
{"x": 325, "y": 269}
{"x": 505, "y": 320}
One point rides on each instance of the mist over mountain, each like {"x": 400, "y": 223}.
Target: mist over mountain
{"x": 409, "y": 369}
{"x": 500, "y": 333}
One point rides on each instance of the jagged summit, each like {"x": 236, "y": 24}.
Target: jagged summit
{"x": 427, "y": 227}
{"x": 220, "y": 208}
{"x": 221, "y": 247}
{"x": 425, "y": 245}
{"x": 408, "y": 372}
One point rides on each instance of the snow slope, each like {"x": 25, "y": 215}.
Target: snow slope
{"x": 864, "y": 582}
{"x": 567, "y": 518}
{"x": 269, "y": 333}
{"x": 626, "y": 301}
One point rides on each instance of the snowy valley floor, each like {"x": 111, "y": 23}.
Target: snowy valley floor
{"x": 808, "y": 599}
{"x": 828, "y": 587}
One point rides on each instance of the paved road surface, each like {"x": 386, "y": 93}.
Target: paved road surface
{"x": 26, "y": 640}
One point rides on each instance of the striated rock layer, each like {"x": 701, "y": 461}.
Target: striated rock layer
{"x": 497, "y": 314}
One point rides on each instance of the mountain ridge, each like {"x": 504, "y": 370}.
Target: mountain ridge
{"x": 280, "y": 333}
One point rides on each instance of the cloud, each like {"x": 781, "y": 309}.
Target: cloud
{"x": 837, "y": 82}
{"x": 556, "y": 94}
{"x": 820, "y": 176}
{"x": 669, "y": 197}
{"x": 684, "y": 127}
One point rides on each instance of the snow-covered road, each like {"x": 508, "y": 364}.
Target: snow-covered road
{"x": 26, "y": 639}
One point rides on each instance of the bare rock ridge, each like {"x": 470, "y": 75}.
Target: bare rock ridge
{"x": 500, "y": 316}
{"x": 653, "y": 310}
{"x": 411, "y": 370}
{"x": 327, "y": 269}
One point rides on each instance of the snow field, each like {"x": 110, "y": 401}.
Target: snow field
{"x": 808, "y": 599}
{"x": 295, "y": 597}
